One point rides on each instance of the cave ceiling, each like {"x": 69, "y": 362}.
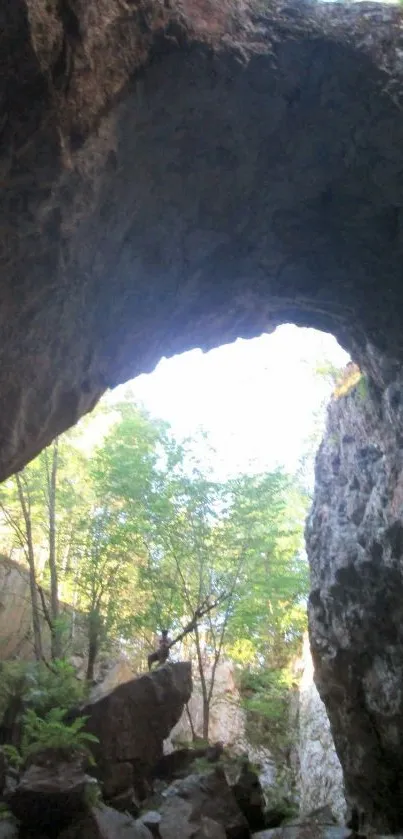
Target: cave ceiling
{"x": 179, "y": 174}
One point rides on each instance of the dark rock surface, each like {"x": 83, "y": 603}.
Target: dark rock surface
{"x": 249, "y": 795}
{"x": 177, "y": 763}
{"x": 355, "y": 548}
{"x": 9, "y": 829}
{"x": 201, "y": 795}
{"x": 50, "y": 794}
{"x": 132, "y": 721}
{"x": 105, "y": 823}
{"x": 305, "y": 831}
{"x": 177, "y": 173}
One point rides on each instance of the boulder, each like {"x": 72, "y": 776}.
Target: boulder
{"x": 209, "y": 829}
{"x": 248, "y": 793}
{"x": 105, "y": 823}
{"x": 177, "y": 763}
{"x": 132, "y": 721}
{"x": 152, "y": 820}
{"x": 126, "y": 801}
{"x": 200, "y": 796}
{"x": 8, "y": 829}
{"x": 305, "y": 830}
{"x": 117, "y": 778}
{"x": 51, "y": 792}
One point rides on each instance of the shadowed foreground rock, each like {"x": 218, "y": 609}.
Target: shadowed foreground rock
{"x": 200, "y": 796}
{"x": 355, "y": 548}
{"x": 51, "y": 792}
{"x": 105, "y": 823}
{"x": 132, "y": 721}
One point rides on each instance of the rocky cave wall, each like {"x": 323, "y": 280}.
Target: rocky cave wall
{"x": 179, "y": 173}
{"x": 355, "y": 547}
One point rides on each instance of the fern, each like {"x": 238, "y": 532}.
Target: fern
{"x": 13, "y": 756}
{"x": 52, "y": 732}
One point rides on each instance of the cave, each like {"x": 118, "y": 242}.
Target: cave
{"x": 180, "y": 173}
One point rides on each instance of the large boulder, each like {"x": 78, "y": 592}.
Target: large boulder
{"x": 52, "y": 791}
{"x": 9, "y": 829}
{"x": 199, "y": 796}
{"x": 105, "y": 823}
{"x": 132, "y": 721}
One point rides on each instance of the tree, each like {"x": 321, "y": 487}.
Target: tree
{"x": 122, "y": 477}
{"x": 140, "y": 536}
{"x": 199, "y": 541}
{"x": 42, "y": 530}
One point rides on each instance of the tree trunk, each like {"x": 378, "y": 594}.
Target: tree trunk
{"x": 94, "y": 631}
{"x": 192, "y": 728}
{"x": 205, "y": 695}
{"x": 206, "y": 718}
{"x": 36, "y": 623}
{"x": 54, "y": 583}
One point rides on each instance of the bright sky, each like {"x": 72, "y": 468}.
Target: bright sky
{"x": 256, "y": 399}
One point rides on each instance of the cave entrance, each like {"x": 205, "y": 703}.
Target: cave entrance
{"x": 261, "y": 401}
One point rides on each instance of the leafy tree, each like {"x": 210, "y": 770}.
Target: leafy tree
{"x": 39, "y": 508}
{"x": 196, "y": 540}
{"x": 140, "y": 536}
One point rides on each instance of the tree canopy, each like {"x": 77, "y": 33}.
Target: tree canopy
{"x": 137, "y": 535}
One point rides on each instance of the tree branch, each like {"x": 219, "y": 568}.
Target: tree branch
{"x": 199, "y": 613}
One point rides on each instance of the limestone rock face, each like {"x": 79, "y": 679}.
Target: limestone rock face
{"x": 179, "y": 173}
{"x": 355, "y": 546}
{"x": 132, "y": 720}
{"x": 320, "y": 776}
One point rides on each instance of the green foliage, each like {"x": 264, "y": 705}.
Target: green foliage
{"x": 265, "y": 696}
{"x": 51, "y": 732}
{"x": 13, "y": 756}
{"x": 12, "y": 683}
{"x": 92, "y": 794}
{"x": 202, "y": 765}
{"x": 145, "y": 535}
{"x": 54, "y": 686}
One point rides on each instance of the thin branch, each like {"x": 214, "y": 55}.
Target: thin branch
{"x": 198, "y": 614}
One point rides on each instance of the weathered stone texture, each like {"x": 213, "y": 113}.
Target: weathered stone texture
{"x": 320, "y": 776}
{"x": 132, "y": 721}
{"x": 178, "y": 173}
{"x": 355, "y": 547}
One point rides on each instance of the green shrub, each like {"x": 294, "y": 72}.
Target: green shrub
{"x": 265, "y": 697}
{"x": 53, "y": 686}
{"x": 13, "y": 756}
{"x": 12, "y": 683}
{"x": 51, "y": 732}
{"x": 39, "y": 686}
